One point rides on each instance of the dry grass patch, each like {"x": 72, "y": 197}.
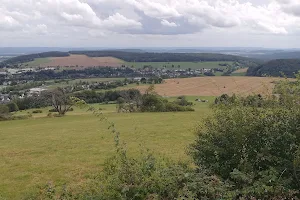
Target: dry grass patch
{"x": 84, "y": 61}
{"x": 215, "y": 86}
{"x": 243, "y": 70}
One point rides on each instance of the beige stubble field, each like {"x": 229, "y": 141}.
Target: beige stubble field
{"x": 83, "y": 60}
{"x": 215, "y": 86}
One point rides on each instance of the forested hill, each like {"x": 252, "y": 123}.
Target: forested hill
{"x": 268, "y": 56}
{"x": 136, "y": 57}
{"x": 276, "y": 68}
{"x": 27, "y": 58}
{"x": 161, "y": 57}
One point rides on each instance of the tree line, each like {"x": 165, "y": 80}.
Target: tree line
{"x": 161, "y": 57}
{"x": 104, "y": 72}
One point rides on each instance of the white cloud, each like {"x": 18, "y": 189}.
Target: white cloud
{"x": 100, "y": 18}
{"x": 167, "y": 23}
{"x": 119, "y": 21}
{"x": 290, "y": 6}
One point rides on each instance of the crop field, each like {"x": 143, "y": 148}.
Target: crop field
{"x": 240, "y": 72}
{"x": 183, "y": 65}
{"x": 69, "y": 150}
{"x": 214, "y": 86}
{"x": 79, "y": 61}
{"x": 76, "y": 60}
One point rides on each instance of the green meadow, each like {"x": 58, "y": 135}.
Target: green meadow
{"x": 71, "y": 149}
{"x": 37, "y": 62}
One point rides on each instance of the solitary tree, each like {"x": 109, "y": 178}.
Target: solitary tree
{"x": 13, "y": 107}
{"x": 61, "y": 101}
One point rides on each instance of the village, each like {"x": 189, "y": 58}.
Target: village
{"x": 15, "y": 84}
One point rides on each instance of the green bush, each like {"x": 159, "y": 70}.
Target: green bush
{"x": 13, "y": 107}
{"x": 4, "y": 113}
{"x": 4, "y": 109}
{"x": 144, "y": 177}
{"x": 182, "y": 101}
{"x": 37, "y": 111}
{"x": 155, "y": 103}
{"x": 52, "y": 110}
{"x": 255, "y": 148}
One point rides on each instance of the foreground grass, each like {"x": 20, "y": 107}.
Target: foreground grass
{"x": 69, "y": 150}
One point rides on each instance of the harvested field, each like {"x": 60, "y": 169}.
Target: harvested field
{"x": 243, "y": 70}
{"x": 214, "y": 86}
{"x": 84, "y": 61}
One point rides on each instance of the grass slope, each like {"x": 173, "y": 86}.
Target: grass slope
{"x": 70, "y": 149}
{"x": 37, "y": 62}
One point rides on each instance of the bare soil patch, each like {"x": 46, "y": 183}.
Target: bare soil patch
{"x": 215, "y": 86}
{"x": 84, "y": 61}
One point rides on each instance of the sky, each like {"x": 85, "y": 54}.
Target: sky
{"x": 150, "y": 23}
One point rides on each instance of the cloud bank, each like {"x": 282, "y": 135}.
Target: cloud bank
{"x": 102, "y": 18}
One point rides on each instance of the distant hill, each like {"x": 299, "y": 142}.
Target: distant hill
{"x": 161, "y": 57}
{"x": 275, "y": 68}
{"x": 136, "y": 56}
{"x": 27, "y": 58}
{"x": 275, "y": 55}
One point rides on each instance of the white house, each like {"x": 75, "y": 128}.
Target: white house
{"x": 35, "y": 91}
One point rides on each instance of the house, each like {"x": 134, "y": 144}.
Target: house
{"x": 12, "y": 71}
{"x": 35, "y": 91}
{"x": 4, "y": 98}
{"x": 137, "y": 79}
{"x": 3, "y": 73}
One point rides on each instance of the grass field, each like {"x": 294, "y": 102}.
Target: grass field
{"x": 71, "y": 149}
{"x": 37, "y": 62}
{"x": 183, "y": 65}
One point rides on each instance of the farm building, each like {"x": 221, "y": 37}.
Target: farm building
{"x": 4, "y": 98}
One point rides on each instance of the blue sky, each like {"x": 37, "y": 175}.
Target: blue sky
{"x": 150, "y": 23}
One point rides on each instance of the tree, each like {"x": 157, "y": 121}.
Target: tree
{"x": 13, "y": 107}
{"x": 4, "y": 112}
{"x": 61, "y": 101}
{"x": 144, "y": 80}
{"x": 4, "y": 109}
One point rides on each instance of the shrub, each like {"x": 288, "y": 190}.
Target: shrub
{"x": 13, "y": 107}
{"x": 37, "y": 111}
{"x": 4, "y": 109}
{"x": 4, "y": 113}
{"x": 52, "y": 110}
{"x": 144, "y": 177}
{"x": 183, "y": 102}
{"x": 21, "y": 117}
{"x": 252, "y": 147}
